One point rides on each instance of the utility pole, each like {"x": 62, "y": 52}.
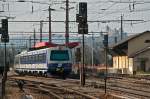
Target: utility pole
{"x": 82, "y": 74}
{"x": 4, "y": 78}
{"x": 92, "y": 50}
{"x": 106, "y": 49}
{"x": 5, "y": 39}
{"x": 105, "y": 42}
{"x": 34, "y": 37}
{"x": 121, "y": 34}
{"x": 82, "y": 29}
{"x": 50, "y": 38}
{"x": 50, "y": 20}
{"x": 115, "y": 39}
{"x": 67, "y": 21}
{"x": 41, "y": 26}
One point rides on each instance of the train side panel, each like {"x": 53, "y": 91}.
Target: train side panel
{"x": 53, "y": 61}
{"x": 32, "y": 62}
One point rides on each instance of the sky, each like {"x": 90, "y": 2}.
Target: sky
{"x": 98, "y": 10}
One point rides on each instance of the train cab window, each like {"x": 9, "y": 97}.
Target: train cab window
{"x": 59, "y": 55}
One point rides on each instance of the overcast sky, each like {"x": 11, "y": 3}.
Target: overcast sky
{"x": 97, "y": 10}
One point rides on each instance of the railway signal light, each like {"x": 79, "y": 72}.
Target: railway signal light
{"x": 83, "y": 28}
{"x": 83, "y": 11}
{"x": 1, "y": 30}
{"x": 82, "y": 18}
{"x": 105, "y": 41}
{"x": 77, "y": 17}
{"x": 4, "y": 31}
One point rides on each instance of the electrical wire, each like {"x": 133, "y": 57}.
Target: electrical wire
{"x": 107, "y": 12}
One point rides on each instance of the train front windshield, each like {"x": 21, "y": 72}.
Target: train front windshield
{"x": 59, "y": 55}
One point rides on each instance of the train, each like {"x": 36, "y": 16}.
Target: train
{"x": 55, "y": 61}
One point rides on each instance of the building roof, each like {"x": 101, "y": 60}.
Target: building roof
{"x": 139, "y": 52}
{"x": 122, "y": 46}
{"x": 126, "y": 40}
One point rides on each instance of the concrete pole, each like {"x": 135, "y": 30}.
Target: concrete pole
{"x": 41, "y": 26}
{"x": 50, "y": 39}
{"x": 67, "y": 21}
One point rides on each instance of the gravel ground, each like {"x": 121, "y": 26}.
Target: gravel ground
{"x": 13, "y": 92}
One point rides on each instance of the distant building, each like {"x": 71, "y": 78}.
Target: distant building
{"x": 132, "y": 54}
{"x": 115, "y": 35}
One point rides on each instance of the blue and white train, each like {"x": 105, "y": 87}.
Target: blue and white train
{"x": 48, "y": 61}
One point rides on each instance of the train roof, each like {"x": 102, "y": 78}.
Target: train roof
{"x": 41, "y": 45}
{"x": 43, "y": 50}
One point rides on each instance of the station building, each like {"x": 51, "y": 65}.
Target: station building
{"x": 132, "y": 54}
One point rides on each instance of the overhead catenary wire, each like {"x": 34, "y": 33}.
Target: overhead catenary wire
{"x": 110, "y": 11}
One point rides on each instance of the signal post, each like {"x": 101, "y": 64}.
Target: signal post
{"x": 82, "y": 29}
{"x": 4, "y": 39}
{"x": 105, "y": 42}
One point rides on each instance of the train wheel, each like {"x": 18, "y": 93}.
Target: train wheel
{"x": 45, "y": 74}
{"x": 30, "y": 73}
{"x": 40, "y": 73}
{"x": 36, "y": 73}
{"x": 21, "y": 73}
{"x": 33, "y": 73}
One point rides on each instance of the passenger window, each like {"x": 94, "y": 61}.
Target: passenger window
{"x": 36, "y": 58}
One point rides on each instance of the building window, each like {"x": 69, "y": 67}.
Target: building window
{"x": 147, "y": 41}
{"x": 143, "y": 65}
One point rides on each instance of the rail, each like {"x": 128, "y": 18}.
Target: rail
{"x": 55, "y": 91}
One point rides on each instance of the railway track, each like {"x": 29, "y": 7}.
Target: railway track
{"x": 126, "y": 87}
{"x": 65, "y": 93}
{"x": 129, "y": 91}
{"x": 58, "y": 92}
{"x": 122, "y": 87}
{"x": 55, "y": 91}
